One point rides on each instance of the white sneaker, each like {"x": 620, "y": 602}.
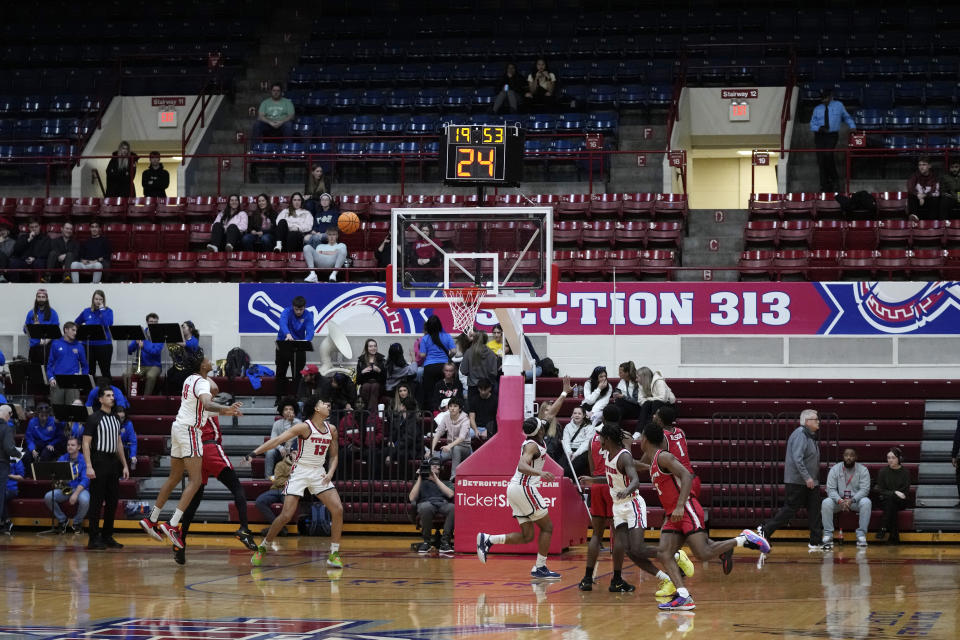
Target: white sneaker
{"x": 861, "y": 541}
{"x": 312, "y": 277}
{"x": 333, "y": 276}
{"x": 228, "y": 247}
{"x": 278, "y": 246}
{"x": 213, "y": 248}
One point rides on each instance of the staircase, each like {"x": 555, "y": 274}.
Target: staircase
{"x": 625, "y": 176}
{"x": 698, "y": 246}
{"x": 937, "y": 488}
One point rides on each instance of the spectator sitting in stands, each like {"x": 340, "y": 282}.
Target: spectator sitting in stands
{"x": 510, "y": 88}
{"x": 309, "y": 381}
{"x": 325, "y": 217}
{"x": 121, "y": 171}
{"x": 228, "y": 227}
{"x": 128, "y": 436}
{"x": 455, "y": 425}
{"x": 342, "y": 393}
{"x": 278, "y": 481}
{"x": 93, "y": 400}
{"x": 12, "y": 490}
{"x": 654, "y": 393}
{"x": 288, "y": 418}
{"x": 79, "y": 490}
{"x": 63, "y": 249}
{"x": 260, "y": 221}
{"x": 44, "y": 439}
{"x": 479, "y": 362}
{"x": 425, "y": 251}
{"x": 275, "y": 116}
{"x": 7, "y": 245}
{"x": 149, "y": 358}
{"x": 94, "y": 254}
{"x": 75, "y": 429}
{"x": 923, "y": 189}
{"x": 483, "y": 409}
{"x": 383, "y": 252}
{"x": 597, "y": 392}
{"x": 30, "y": 251}
{"x": 541, "y": 85}
{"x": 949, "y": 188}
{"x": 318, "y": 183}
{"x": 893, "y": 486}
{"x": 155, "y": 178}
{"x": 449, "y": 386}
{"x": 626, "y": 396}
{"x": 397, "y": 368}
{"x": 371, "y": 375}
{"x": 576, "y": 439}
{"x": 431, "y": 495}
{"x": 848, "y": 484}
{"x": 330, "y": 255}
{"x": 292, "y": 224}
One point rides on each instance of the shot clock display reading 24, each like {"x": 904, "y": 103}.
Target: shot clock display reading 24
{"x": 482, "y": 155}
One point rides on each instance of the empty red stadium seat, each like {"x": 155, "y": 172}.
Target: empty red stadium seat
{"x": 894, "y": 233}
{"x": 146, "y": 237}
{"x": 181, "y": 261}
{"x": 665, "y": 234}
{"x": 790, "y": 262}
{"x": 826, "y": 205}
{"x": 175, "y": 237}
{"x": 631, "y": 233}
{"x": 599, "y": 232}
{"x": 822, "y": 265}
{"x": 85, "y": 208}
{"x": 860, "y": 234}
{"x": 509, "y": 200}
{"x": 383, "y": 203}
{"x": 573, "y": 205}
{"x": 359, "y": 204}
{"x": 28, "y": 208}
{"x": 929, "y": 261}
{"x": 605, "y": 205}
{"x": 765, "y": 205}
{"x": 760, "y": 232}
{"x": 566, "y": 232}
{"x": 418, "y": 201}
{"x": 113, "y": 209}
{"x": 623, "y": 262}
{"x": 951, "y": 234}
{"x": 928, "y": 233}
{"x": 201, "y": 208}
{"x": 501, "y": 236}
{"x": 123, "y": 261}
{"x": 638, "y": 205}
{"x": 657, "y": 262}
{"x": 563, "y": 260}
{"x": 794, "y": 233}
{"x": 888, "y": 261}
{"x": 141, "y": 209}
{"x": 8, "y": 206}
{"x": 891, "y": 204}
{"x": 151, "y": 261}
{"x": 799, "y": 205}
{"x": 446, "y": 200}
{"x": 57, "y": 209}
{"x": 171, "y": 209}
{"x": 588, "y": 263}
{"x": 118, "y": 234}
{"x": 199, "y": 233}
{"x": 827, "y": 234}
{"x": 671, "y": 206}
{"x": 755, "y": 263}
{"x": 859, "y": 261}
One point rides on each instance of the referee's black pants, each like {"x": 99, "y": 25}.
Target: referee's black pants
{"x": 104, "y": 492}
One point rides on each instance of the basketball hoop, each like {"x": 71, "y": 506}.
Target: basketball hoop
{"x": 464, "y": 304}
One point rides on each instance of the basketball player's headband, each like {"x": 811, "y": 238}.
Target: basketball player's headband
{"x": 534, "y": 423}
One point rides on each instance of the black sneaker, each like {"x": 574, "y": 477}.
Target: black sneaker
{"x": 424, "y": 548}
{"x": 179, "y": 555}
{"x": 110, "y": 543}
{"x": 446, "y": 549}
{"x": 726, "y": 561}
{"x": 620, "y": 586}
{"x": 76, "y": 529}
{"x": 96, "y": 543}
{"x": 63, "y": 527}
{"x": 586, "y": 584}
{"x": 246, "y": 537}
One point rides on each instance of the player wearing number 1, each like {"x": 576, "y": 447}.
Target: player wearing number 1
{"x": 318, "y": 442}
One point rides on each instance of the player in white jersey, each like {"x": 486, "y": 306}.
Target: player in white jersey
{"x": 186, "y": 450}
{"x": 318, "y": 444}
{"x": 629, "y": 510}
{"x": 528, "y": 505}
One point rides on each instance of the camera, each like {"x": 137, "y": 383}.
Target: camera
{"x": 425, "y": 469}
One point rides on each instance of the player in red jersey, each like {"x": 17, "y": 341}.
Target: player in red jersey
{"x": 685, "y": 520}
{"x": 666, "y": 417}
{"x": 218, "y": 465}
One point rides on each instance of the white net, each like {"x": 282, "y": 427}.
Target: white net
{"x": 464, "y": 304}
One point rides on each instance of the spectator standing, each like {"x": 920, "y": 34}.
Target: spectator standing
{"x": 431, "y": 495}
{"x": 541, "y": 85}
{"x": 496, "y": 340}
{"x": 325, "y": 217}
{"x": 150, "y": 358}
{"x": 318, "y": 183}
{"x": 654, "y": 393}
{"x": 278, "y": 481}
{"x": 293, "y": 223}
{"x": 626, "y": 396}
{"x": 296, "y": 323}
{"x": 576, "y": 439}
{"x": 330, "y": 255}
{"x": 288, "y": 418}
{"x": 397, "y": 368}
{"x": 275, "y": 116}
{"x": 800, "y": 477}
{"x": 7, "y": 244}
{"x": 436, "y": 347}
{"x": 67, "y": 357}
{"x": 405, "y": 437}
{"x": 260, "y": 222}
{"x": 825, "y": 125}
{"x": 848, "y": 485}
{"x": 101, "y": 351}
{"x": 455, "y": 425}
{"x": 449, "y": 386}
{"x": 44, "y": 439}
{"x": 923, "y": 192}
{"x": 949, "y": 188}
{"x": 155, "y": 178}
{"x": 229, "y": 226}
{"x": 30, "y": 251}
{"x": 63, "y": 249}
{"x": 597, "y": 392}
{"x": 94, "y": 254}
{"x": 483, "y": 409}
{"x": 371, "y": 375}
{"x": 7, "y": 453}
{"x": 79, "y": 490}
{"x": 120, "y": 401}
{"x": 479, "y": 361}
{"x": 42, "y": 313}
{"x": 121, "y": 171}
{"x": 103, "y": 451}
{"x": 509, "y": 89}
{"x": 893, "y": 487}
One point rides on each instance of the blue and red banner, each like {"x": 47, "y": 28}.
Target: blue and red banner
{"x": 647, "y": 308}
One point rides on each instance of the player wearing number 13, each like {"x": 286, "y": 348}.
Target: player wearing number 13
{"x": 318, "y": 441}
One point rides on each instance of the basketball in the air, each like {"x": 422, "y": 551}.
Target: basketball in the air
{"x": 348, "y": 222}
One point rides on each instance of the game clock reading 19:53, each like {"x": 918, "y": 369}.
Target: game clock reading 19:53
{"x": 482, "y": 155}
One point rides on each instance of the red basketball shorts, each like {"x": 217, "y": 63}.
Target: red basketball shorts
{"x": 601, "y": 503}
{"x": 214, "y": 461}
{"x": 692, "y": 521}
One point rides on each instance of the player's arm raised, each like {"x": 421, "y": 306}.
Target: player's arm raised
{"x": 669, "y": 462}
{"x": 301, "y": 429}
{"x": 625, "y": 464}
{"x": 530, "y": 453}
{"x": 225, "y": 410}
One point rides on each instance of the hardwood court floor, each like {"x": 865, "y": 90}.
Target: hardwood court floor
{"x": 53, "y": 587}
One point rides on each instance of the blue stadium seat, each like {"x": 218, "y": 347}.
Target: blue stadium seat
{"x": 603, "y": 122}
{"x": 373, "y": 99}
{"x": 335, "y": 125}
{"x": 304, "y": 126}
{"x": 392, "y": 124}
{"x": 8, "y": 105}
{"x": 409, "y": 148}
{"x": 604, "y": 95}
{"x": 660, "y": 96}
{"x": 940, "y": 92}
{"x": 364, "y": 124}
{"x": 293, "y": 149}
{"x": 318, "y": 148}
{"x": 901, "y": 118}
{"x": 345, "y": 99}
{"x": 877, "y": 96}
{"x": 605, "y": 70}
{"x": 64, "y": 104}
{"x": 578, "y": 94}
{"x": 935, "y": 118}
{"x": 33, "y": 105}
{"x": 869, "y": 118}
{"x": 351, "y": 148}
{"x": 381, "y": 148}
{"x": 542, "y": 123}
{"x": 633, "y": 95}
{"x": 457, "y": 99}
{"x": 7, "y": 127}
{"x": 570, "y": 123}
{"x": 482, "y": 98}
{"x": 848, "y": 92}
{"x": 428, "y": 99}
{"x": 909, "y": 92}
{"x": 400, "y": 99}
{"x": 422, "y": 125}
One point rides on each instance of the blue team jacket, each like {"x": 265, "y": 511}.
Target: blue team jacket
{"x": 79, "y": 469}
{"x": 16, "y": 469}
{"x": 53, "y": 319}
{"x": 66, "y": 358}
{"x": 129, "y": 438}
{"x": 301, "y": 328}
{"x": 121, "y": 400}
{"x": 100, "y": 316}
{"x": 151, "y": 353}
{"x": 40, "y": 435}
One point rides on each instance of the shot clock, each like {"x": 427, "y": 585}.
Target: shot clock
{"x": 482, "y": 155}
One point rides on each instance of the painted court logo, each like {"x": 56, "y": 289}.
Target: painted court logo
{"x": 903, "y": 307}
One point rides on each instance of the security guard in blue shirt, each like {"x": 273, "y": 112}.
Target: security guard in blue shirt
{"x": 825, "y": 124}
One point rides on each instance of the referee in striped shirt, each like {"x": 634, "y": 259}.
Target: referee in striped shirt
{"x": 103, "y": 451}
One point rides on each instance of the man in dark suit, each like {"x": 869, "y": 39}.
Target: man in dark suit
{"x": 63, "y": 249}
